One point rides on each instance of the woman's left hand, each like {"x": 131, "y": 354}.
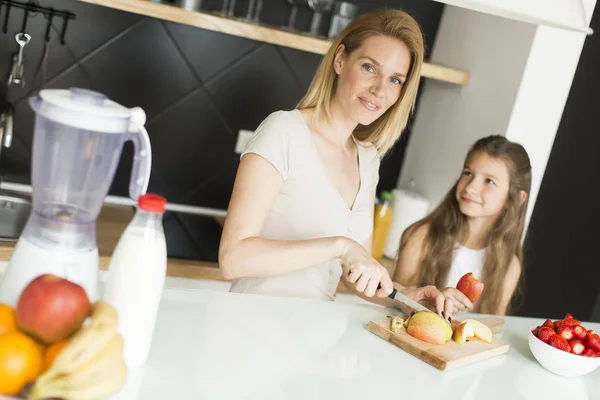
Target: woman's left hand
{"x": 431, "y": 298}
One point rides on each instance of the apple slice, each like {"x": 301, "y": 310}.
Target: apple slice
{"x": 463, "y": 332}
{"x": 481, "y": 330}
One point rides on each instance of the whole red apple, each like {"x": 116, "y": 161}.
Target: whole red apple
{"x": 470, "y": 286}
{"x": 51, "y": 308}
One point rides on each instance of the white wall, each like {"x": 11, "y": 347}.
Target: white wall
{"x": 451, "y": 118}
{"x": 543, "y": 94}
{"x": 521, "y": 75}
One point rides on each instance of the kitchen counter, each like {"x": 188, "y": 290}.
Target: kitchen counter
{"x": 112, "y": 221}
{"x": 215, "y": 345}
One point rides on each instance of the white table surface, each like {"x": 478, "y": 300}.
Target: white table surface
{"x": 216, "y": 345}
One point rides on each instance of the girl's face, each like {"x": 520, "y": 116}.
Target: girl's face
{"x": 483, "y": 187}
{"x": 370, "y": 79}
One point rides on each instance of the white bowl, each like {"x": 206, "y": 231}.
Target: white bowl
{"x": 558, "y": 361}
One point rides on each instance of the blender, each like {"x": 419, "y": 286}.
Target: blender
{"x": 77, "y": 143}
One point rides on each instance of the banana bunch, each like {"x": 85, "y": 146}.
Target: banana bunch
{"x": 90, "y": 366}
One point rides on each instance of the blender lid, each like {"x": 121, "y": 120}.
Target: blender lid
{"x": 84, "y": 109}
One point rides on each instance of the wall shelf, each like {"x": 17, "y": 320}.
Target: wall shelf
{"x": 263, "y": 33}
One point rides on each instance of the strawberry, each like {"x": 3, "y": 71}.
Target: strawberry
{"x": 580, "y": 332}
{"x": 590, "y": 353}
{"x": 571, "y": 322}
{"x": 549, "y": 324}
{"x": 593, "y": 341}
{"x": 560, "y": 343}
{"x": 566, "y": 331}
{"x": 545, "y": 334}
{"x": 536, "y": 331}
{"x": 591, "y": 332}
{"x": 557, "y": 324}
{"x": 568, "y": 316}
{"x": 577, "y": 347}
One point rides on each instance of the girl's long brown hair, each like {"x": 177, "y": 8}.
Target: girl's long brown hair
{"x": 447, "y": 225}
{"x": 384, "y": 131}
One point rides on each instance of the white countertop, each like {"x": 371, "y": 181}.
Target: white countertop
{"x": 211, "y": 344}
{"x": 216, "y": 345}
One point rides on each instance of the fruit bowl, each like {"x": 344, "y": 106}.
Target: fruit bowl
{"x": 558, "y": 361}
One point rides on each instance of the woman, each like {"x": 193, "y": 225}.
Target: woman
{"x": 301, "y": 212}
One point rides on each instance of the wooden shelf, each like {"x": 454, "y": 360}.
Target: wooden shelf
{"x": 263, "y": 33}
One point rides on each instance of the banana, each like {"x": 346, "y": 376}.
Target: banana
{"x": 104, "y": 313}
{"x": 109, "y": 384}
{"x": 86, "y": 342}
{"x": 82, "y": 348}
{"x": 91, "y": 365}
{"x": 101, "y": 388}
{"x": 100, "y": 367}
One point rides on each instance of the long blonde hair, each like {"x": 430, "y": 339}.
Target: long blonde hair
{"x": 396, "y": 24}
{"x": 447, "y": 224}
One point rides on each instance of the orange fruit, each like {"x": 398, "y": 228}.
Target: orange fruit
{"x": 51, "y": 353}
{"x": 20, "y": 362}
{"x": 8, "y": 319}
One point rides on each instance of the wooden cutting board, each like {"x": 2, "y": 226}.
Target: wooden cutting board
{"x": 445, "y": 356}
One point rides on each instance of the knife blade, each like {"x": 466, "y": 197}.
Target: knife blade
{"x": 407, "y": 301}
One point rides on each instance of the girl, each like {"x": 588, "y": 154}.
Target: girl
{"x": 476, "y": 228}
{"x": 301, "y": 212}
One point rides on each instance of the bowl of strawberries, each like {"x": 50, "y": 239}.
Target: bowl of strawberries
{"x": 565, "y": 347}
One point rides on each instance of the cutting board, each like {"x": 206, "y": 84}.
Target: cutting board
{"x": 444, "y": 356}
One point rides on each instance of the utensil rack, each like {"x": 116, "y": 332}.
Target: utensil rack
{"x": 49, "y": 13}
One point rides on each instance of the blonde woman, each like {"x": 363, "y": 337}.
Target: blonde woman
{"x": 301, "y": 212}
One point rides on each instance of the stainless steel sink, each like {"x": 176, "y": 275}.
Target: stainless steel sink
{"x": 14, "y": 212}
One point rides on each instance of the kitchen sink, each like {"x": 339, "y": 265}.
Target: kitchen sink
{"x": 14, "y": 212}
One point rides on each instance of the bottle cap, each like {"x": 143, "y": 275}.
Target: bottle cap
{"x": 386, "y": 195}
{"x": 152, "y": 203}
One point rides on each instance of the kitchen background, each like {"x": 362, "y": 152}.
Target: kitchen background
{"x": 561, "y": 247}
{"x": 199, "y": 88}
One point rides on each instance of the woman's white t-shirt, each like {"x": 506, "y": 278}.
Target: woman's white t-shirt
{"x": 308, "y": 206}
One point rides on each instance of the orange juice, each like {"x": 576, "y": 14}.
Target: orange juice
{"x": 381, "y": 224}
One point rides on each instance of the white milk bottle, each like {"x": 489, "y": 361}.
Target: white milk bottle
{"x": 136, "y": 277}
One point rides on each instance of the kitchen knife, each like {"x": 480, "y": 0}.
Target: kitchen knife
{"x": 407, "y": 302}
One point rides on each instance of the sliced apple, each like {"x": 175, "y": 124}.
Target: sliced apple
{"x": 463, "y": 332}
{"x": 481, "y": 330}
{"x": 429, "y": 327}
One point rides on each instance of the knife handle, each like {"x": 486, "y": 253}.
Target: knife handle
{"x": 391, "y": 295}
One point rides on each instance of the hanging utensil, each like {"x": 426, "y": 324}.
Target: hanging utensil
{"x": 257, "y": 10}
{"x": 41, "y": 69}
{"x": 294, "y": 12}
{"x": 6, "y": 125}
{"x": 17, "y": 71}
{"x": 319, "y": 7}
{"x": 224, "y": 8}
{"x": 250, "y": 9}
{"x": 231, "y": 12}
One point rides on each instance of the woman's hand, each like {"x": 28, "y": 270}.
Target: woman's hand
{"x": 431, "y": 298}
{"x": 460, "y": 301}
{"x": 364, "y": 272}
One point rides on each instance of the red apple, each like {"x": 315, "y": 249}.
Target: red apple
{"x": 470, "y": 286}
{"x": 51, "y": 308}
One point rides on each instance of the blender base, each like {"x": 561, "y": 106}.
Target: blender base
{"x": 29, "y": 261}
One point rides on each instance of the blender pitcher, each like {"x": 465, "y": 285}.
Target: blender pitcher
{"x": 77, "y": 144}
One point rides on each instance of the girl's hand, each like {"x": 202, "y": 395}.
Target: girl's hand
{"x": 433, "y": 299}
{"x": 364, "y": 272}
{"x": 460, "y": 301}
